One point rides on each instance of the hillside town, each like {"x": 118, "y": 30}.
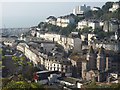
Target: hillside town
{"x": 78, "y": 50}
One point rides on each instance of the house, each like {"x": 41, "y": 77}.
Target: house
{"x": 111, "y": 26}
{"x": 94, "y": 24}
{"x": 59, "y": 64}
{"x": 72, "y": 42}
{"x": 64, "y": 21}
{"x": 82, "y": 24}
{"x": 9, "y": 41}
{"x": 115, "y": 6}
{"x": 88, "y": 23}
{"x": 46, "y": 56}
{"x": 108, "y": 44}
{"x": 51, "y": 20}
{"x": 76, "y": 61}
{"x": 44, "y": 77}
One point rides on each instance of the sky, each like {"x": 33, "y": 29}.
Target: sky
{"x": 26, "y": 14}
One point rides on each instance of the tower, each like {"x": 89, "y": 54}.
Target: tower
{"x": 117, "y": 34}
{"x": 101, "y": 59}
{"x": 91, "y": 59}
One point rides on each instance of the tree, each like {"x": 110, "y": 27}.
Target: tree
{"x": 86, "y": 30}
{"x": 89, "y": 14}
{"x": 3, "y": 57}
{"x": 67, "y": 30}
{"x": 15, "y": 58}
{"x": 17, "y": 85}
{"x": 106, "y": 7}
{"x": 23, "y": 58}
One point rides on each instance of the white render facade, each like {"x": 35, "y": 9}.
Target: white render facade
{"x": 66, "y": 42}
{"x": 64, "y": 21}
{"x": 45, "y": 62}
{"x": 58, "y": 65}
{"x": 86, "y": 23}
{"x": 114, "y": 7}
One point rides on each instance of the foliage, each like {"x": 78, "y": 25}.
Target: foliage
{"x": 93, "y": 84}
{"x": 36, "y": 85}
{"x": 5, "y": 81}
{"x": 67, "y": 30}
{"x": 22, "y": 58}
{"x": 86, "y": 30}
{"x": 0, "y": 50}
{"x": 53, "y": 28}
{"x": 104, "y": 12}
{"x": 17, "y": 85}
{"x": 106, "y": 7}
{"x": 89, "y": 14}
{"x": 114, "y": 85}
{"x": 3, "y": 57}
{"x": 15, "y": 58}
{"x": 29, "y": 63}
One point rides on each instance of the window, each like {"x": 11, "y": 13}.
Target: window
{"x": 50, "y": 68}
{"x": 66, "y": 68}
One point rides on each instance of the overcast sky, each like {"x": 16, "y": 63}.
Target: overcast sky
{"x": 26, "y": 14}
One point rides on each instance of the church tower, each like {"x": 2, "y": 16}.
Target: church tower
{"x": 101, "y": 59}
{"x": 91, "y": 59}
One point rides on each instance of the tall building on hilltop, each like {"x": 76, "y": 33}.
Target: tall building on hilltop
{"x": 79, "y": 10}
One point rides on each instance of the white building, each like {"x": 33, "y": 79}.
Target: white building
{"x": 111, "y": 26}
{"x": 47, "y": 46}
{"x": 91, "y": 23}
{"x": 50, "y": 36}
{"x": 90, "y": 37}
{"x": 8, "y": 41}
{"x": 59, "y": 64}
{"x": 74, "y": 41}
{"x": 82, "y": 24}
{"x": 29, "y": 53}
{"x": 77, "y": 11}
{"x": 55, "y": 62}
{"x": 115, "y": 6}
{"x": 21, "y": 47}
{"x": 67, "y": 42}
{"x": 51, "y": 20}
{"x": 64, "y": 21}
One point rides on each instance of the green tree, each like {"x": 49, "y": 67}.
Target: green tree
{"x": 86, "y": 30}
{"x": 17, "y": 85}
{"x": 23, "y": 58}
{"x": 106, "y": 7}
{"x": 89, "y": 14}
{"x": 15, "y": 58}
{"x": 3, "y": 57}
